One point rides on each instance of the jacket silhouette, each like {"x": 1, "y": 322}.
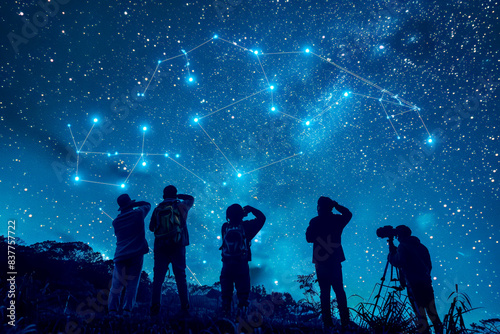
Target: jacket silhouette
{"x": 131, "y": 245}
{"x": 414, "y": 260}
{"x": 235, "y": 273}
{"x": 325, "y": 232}
{"x": 166, "y": 252}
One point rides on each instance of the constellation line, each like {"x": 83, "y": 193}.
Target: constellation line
{"x": 213, "y": 141}
{"x": 88, "y": 134}
{"x": 132, "y": 170}
{"x": 272, "y": 163}
{"x": 263, "y": 70}
{"x": 187, "y": 170}
{"x": 106, "y": 213}
{"x": 150, "y": 80}
{"x": 194, "y": 275}
{"x": 260, "y": 91}
{"x": 423, "y": 122}
{"x": 107, "y": 184}
{"x": 74, "y": 142}
{"x": 383, "y": 107}
{"x": 234, "y": 43}
{"x": 326, "y": 109}
{"x": 281, "y": 53}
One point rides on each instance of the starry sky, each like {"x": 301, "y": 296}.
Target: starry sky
{"x": 431, "y": 66}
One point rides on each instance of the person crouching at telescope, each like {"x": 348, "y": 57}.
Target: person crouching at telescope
{"x": 414, "y": 260}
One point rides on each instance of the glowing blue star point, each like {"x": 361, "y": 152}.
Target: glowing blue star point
{"x": 273, "y": 108}
{"x": 240, "y": 175}
{"x": 95, "y": 120}
{"x": 308, "y": 123}
{"x": 144, "y": 163}
{"x": 77, "y": 178}
{"x": 159, "y": 61}
{"x": 122, "y": 185}
{"x": 144, "y": 128}
{"x": 272, "y": 87}
{"x": 256, "y": 52}
{"x": 429, "y": 140}
{"x": 346, "y": 94}
{"x": 166, "y": 155}
{"x": 177, "y": 155}
{"x": 190, "y": 79}
{"x": 215, "y": 36}
{"x": 69, "y": 125}
{"x": 307, "y": 50}
{"x": 196, "y": 120}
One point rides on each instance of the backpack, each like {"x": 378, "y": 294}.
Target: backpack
{"x": 234, "y": 244}
{"x": 168, "y": 223}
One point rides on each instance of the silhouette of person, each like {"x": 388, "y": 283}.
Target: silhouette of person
{"x": 237, "y": 235}
{"x": 169, "y": 248}
{"x": 414, "y": 260}
{"x": 131, "y": 245}
{"x": 325, "y": 232}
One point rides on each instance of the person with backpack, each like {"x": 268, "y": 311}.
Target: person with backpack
{"x": 325, "y": 232}
{"x": 131, "y": 245}
{"x": 237, "y": 235}
{"x": 168, "y": 222}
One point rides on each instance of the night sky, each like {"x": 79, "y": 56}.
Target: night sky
{"x": 328, "y": 134}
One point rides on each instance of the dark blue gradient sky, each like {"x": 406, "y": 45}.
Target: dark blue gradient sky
{"x": 84, "y": 61}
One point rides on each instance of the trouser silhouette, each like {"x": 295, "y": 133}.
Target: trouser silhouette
{"x": 126, "y": 273}
{"x": 163, "y": 256}
{"x": 235, "y": 274}
{"x": 330, "y": 276}
{"x": 422, "y": 294}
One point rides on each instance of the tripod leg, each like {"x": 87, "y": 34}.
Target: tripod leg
{"x": 377, "y": 297}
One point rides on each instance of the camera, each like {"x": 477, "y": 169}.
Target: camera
{"x": 386, "y": 232}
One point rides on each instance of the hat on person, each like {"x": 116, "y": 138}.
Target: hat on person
{"x": 124, "y": 202}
